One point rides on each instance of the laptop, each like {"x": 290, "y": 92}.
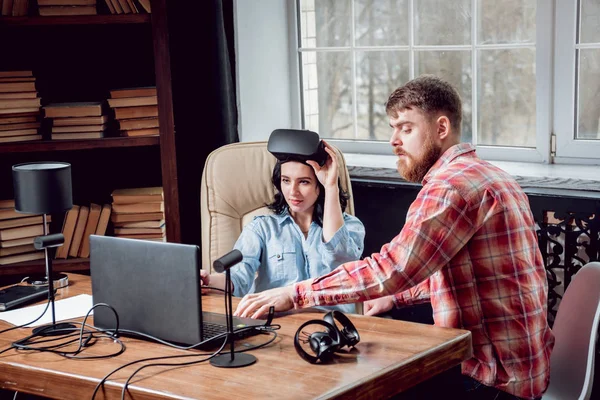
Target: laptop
{"x": 155, "y": 289}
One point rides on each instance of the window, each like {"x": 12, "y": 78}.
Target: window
{"x": 498, "y": 54}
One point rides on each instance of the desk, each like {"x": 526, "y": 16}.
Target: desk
{"x": 391, "y": 357}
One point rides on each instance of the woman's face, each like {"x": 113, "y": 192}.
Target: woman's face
{"x": 299, "y": 187}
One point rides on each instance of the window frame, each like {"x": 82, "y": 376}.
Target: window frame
{"x": 544, "y": 45}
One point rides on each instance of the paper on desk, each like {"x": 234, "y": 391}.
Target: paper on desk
{"x": 73, "y": 307}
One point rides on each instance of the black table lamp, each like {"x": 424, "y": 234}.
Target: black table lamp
{"x": 45, "y": 188}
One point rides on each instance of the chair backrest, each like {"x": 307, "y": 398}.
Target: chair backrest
{"x": 236, "y": 186}
{"x": 576, "y": 333}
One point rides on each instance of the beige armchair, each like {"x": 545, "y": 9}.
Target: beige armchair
{"x": 236, "y": 186}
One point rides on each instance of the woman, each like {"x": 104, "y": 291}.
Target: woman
{"x": 307, "y": 235}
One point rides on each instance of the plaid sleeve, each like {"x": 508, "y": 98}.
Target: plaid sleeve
{"x": 437, "y": 227}
{"x": 415, "y": 295}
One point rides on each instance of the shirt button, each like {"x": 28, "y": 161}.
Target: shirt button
{"x": 278, "y": 256}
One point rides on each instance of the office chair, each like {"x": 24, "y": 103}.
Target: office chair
{"x": 576, "y": 333}
{"x": 236, "y": 186}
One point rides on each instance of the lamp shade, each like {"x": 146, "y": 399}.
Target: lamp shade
{"x": 42, "y": 187}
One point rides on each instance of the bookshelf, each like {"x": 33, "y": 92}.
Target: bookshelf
{"x": 81, "y": 58}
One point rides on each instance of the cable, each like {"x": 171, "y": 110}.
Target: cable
{"x": 28, "y": 323}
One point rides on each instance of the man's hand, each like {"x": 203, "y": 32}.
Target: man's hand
{"x": 256, "y": 305}
{"x": 378, "y": 306}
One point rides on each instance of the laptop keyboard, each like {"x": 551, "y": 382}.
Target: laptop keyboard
{"x": 210, "y": 330}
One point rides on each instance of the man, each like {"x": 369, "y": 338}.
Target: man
{"x": 469, "y": 246}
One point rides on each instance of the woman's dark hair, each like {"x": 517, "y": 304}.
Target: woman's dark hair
{"x": 279, "y": 205}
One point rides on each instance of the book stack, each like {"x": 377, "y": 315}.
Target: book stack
{"x": 79, "y": 120}
{"x": 81, "y": 222}
{"x": 17, "y": 232}
{"x": 19, "y": 107}
{"x": 128, "y": 6}
{"x": 139, "y": 213}
{"x": 16, "y": 8}
{"x": 67, "y": 7}
{"x": 136, "y": 110}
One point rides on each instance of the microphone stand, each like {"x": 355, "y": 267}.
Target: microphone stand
{"x": 230, "y": 360}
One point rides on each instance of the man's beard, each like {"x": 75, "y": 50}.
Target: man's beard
{"x": 419, "y": 167}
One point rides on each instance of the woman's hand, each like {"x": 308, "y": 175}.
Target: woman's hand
{"x": 328, "y": 173}
{"x": 204, "y": 280}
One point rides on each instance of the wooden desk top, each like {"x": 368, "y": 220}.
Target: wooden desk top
{"x": 391, "y": 357}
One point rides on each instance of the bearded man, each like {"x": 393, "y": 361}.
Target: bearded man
{"x": 468, "y": 246}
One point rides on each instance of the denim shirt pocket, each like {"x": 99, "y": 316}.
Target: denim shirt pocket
{"x": 282, "y": 264}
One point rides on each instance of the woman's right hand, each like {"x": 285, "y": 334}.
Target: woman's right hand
{"x": 204, "y": 280}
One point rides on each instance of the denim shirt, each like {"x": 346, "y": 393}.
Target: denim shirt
{"x": 277, "y": 254}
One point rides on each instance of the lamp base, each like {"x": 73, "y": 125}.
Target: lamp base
{"x": 240, "y": 360}
{"x": 54, "y": 329}
{"x": 59, "y": 280}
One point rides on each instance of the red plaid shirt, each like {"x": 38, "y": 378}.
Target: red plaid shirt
{"x": 469, "y": 246}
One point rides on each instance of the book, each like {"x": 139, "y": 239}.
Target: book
{"x": 137, "y": 231}
{"x": 9, "y": 213}
{"x": 135, "y": 112}
{"x": 78, "y": 121}
{"x": 7, "y": 7}
{"x": 10, "y": 119}
{"x": 19, "y": 95}
{"x": 141, "y": 224}
{"x": 68, "y": 229}
{"x": 78, "y": 128}
{"x": 110, "y": 6}
{"x": 74, "y": 109}
{"x": 84, "y": 212}
{"x": 17, "y": 258}
{"x": 11, "y": 74}
{"x": 23, "y": 125}
{"x": 133, "y": 101}
{"x": 146, "y": 5}
{"x": 23, "y": 221}
{"x": 16, "y": 242}
{"x": 103, "y": 221}
{"x": 77, "y": 135}
{"x": 142, "y": 91}
{"x": 66, "y": 2}
{"x": 116, "y": 218}
{"x": 138, "y": 123}
{"x": 9, "y": 87}
{"x": 20, "y": 138}
{"x": 90, "y": 228}
{"x": 141, "y": 132}
{"x": 21, "y": 232}
{"x": 18, "y": 132}
{"x": 20, "y": 8}
{"x": 20, "y": 103}
{"x": 6, "y": 111}
{"x": 9, "y": 251}
{"x": 143, "y": 236}
{"x": 138, "y": 195}
{"x": 138, "y": 208}
{"x": 18, "y": 79}
{"x": 117, "y": 6}
{"x": 67, "y": 10}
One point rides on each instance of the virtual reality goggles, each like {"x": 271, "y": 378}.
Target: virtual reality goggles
{"x": 297, "y": 145}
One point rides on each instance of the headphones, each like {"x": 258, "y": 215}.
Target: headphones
{"x": 326, "y": 341}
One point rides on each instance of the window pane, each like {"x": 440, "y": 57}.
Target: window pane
{"x": 506, "y": 98}
{"x": 454, "y": 67}
{"x": 327, "y": 92}
{"x": 378, "y": 75}
{"x": 589, "y": 94}
{"x": 325, "y": 23}
{"x": 442, "y": 22}
{"x": 507, "y": 21}
{"x": 381, "y": 23}
{"x": 590, "y": 21}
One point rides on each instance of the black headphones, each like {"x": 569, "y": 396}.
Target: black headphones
{"x": 325, "y": 342}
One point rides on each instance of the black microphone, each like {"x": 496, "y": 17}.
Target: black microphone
{"x": 47, "y": 241}
{"x": 227, "y": 261}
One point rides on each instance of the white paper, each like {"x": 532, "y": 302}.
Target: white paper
{"x": 73, "y": 307}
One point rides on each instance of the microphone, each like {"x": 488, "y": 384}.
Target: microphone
{"x": 227, "y": 261}
{"x": 221, "y": 264}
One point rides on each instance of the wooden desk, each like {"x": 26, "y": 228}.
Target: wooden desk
{"x": 391, "y": 357}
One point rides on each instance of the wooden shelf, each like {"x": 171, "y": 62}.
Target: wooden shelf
{"x": 66, "y": 145}
{"x": 39, "y": 266}
{"x": 37, "y": 20}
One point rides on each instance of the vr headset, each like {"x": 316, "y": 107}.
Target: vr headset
{"x": 297, "y": 145}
